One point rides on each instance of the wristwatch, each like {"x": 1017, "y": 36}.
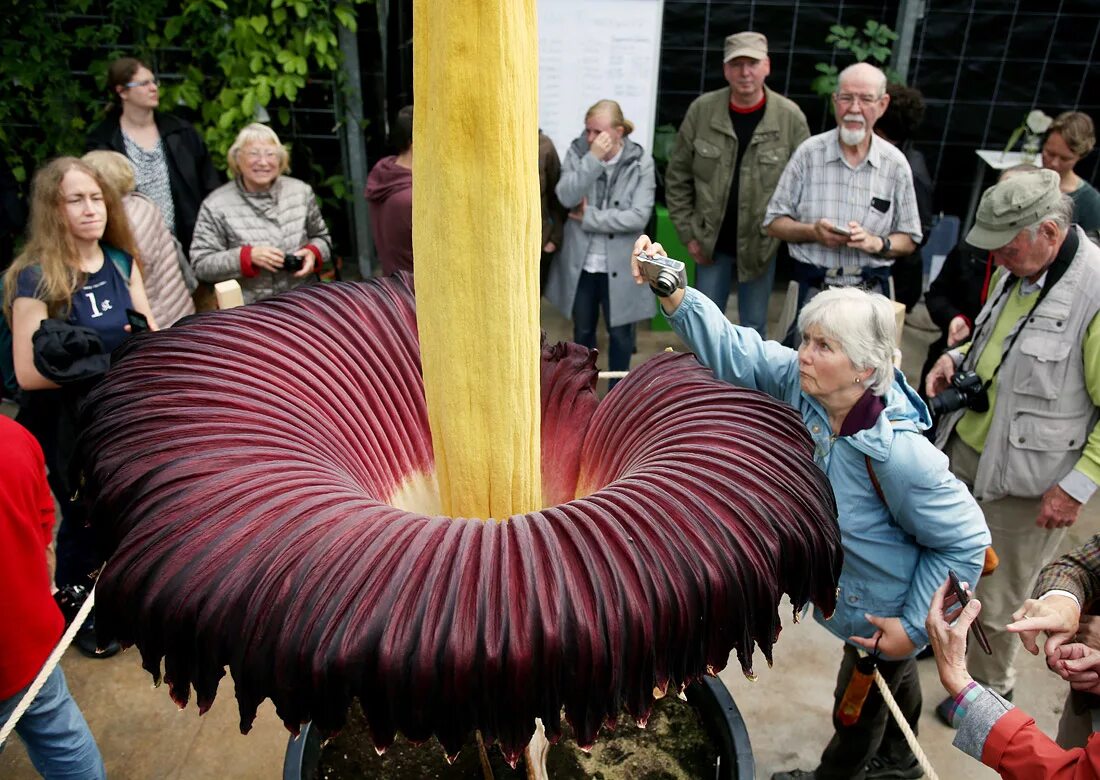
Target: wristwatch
{"x": 885, "y": 251}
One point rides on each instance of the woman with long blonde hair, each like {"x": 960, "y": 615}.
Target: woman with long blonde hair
{"x": 77, "y": 271}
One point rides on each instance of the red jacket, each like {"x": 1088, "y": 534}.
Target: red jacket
{"x": 30, "y": 622}
{"x": 1016, "y": 748}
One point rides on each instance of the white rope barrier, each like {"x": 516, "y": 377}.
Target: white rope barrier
{"x": 48, "y": 667}
{"x": 903, "y": 724}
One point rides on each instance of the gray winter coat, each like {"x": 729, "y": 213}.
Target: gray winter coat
{"x": 621, "y": 214}
{"x": 285, "y": 216}
{"x": 169, "y": 297}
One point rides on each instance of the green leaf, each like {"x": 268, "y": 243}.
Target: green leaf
{"x": 172, "y": 28}
{"x": 278, "y": 15}
{"x": 259, "y": 23}
{"x": 20, "y": 173}
{"x": 345, "y": 16}
{"x": 227, "y": 119}
{"x": 284, "y": 115}
{"x": 301, "y": 9}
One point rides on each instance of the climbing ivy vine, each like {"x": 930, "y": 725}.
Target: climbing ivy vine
{"x": 232, "y": 61}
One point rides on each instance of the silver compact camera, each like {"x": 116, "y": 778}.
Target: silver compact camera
{"x": 664, "y": 274}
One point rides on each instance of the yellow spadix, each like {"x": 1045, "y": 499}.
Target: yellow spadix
{"x": 476, "y": 243}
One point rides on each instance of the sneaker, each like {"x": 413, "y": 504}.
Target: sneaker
{"x": 882, "y": 767}
{"x": 794, "y": 774}
{"x": 69, "y": 599}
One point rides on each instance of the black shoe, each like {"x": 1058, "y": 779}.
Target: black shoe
{"x": 794, "y": 774}
{"x": 884, "y": 768}
{"x": 86, "y": 643}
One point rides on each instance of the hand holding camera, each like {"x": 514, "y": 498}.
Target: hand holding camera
{"x": 967, "y": 390}
{"x": 664, "y": 274}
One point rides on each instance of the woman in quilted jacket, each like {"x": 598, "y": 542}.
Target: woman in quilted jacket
{"x": 263, "y": 228}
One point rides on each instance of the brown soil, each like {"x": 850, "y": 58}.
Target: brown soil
{"x": 673, "y": 746}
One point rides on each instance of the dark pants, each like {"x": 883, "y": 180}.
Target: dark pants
{"x": 876, "y": 732}
{"x": 812, "y": 280}
{"x": 592, "y": 295}
{"x": 77, "y": 551}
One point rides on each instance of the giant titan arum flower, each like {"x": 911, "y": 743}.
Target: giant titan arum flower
{"x": 348, "y": 492}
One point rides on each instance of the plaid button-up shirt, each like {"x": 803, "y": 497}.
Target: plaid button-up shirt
{"x": 878, "y": 194}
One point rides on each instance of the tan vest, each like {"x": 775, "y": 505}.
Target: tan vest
{"x": 1043, "y": 413}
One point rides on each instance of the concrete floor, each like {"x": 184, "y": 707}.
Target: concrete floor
{"x": 143, "y": 736}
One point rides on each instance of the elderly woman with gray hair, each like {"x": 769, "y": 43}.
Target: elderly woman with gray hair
{"x": 263, "y": 228}
{"x": 161, "y": 255}
{"x": 904, "y": 519}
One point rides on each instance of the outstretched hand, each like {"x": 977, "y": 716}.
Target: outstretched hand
{"x": 644, "y": 244}
{"x": 1056, "y": 616}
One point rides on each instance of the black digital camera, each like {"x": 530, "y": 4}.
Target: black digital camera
{"x": 967, "y": 390}
{"x": 292, "y": 263}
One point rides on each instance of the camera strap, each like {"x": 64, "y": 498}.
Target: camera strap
{"x": 1006, "y": 290}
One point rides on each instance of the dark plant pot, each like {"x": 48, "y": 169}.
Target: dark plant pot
{"x": 721, "y": 719}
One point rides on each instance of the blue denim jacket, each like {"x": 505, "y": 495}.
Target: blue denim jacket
{"x": 894, "y": 559}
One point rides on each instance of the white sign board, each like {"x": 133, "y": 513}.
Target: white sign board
{"x": 590, "y": 50}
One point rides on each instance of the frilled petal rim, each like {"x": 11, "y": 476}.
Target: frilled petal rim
{"x": 239, "y": 465}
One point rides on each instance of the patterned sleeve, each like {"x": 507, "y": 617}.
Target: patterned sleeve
{"x": 1076, "y": 572}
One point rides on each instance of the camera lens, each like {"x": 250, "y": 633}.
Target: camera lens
{"x": 947, "y": 401}
{"x": 665, "y": 283}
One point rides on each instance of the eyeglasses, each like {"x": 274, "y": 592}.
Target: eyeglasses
{"x": 847, "y": 99}
{"x": 261, "y": 154}
{"x": 142, "y": 83}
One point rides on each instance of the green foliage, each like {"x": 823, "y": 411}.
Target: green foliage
{"x": 236, "y": 61}
{"x": 873, "y": 44}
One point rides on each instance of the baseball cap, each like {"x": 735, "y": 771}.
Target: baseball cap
{"x": 1010, "y": 206}
{"x": 745, "y": 44}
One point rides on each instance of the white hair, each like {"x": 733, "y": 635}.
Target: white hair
{"x": 864, "y": 325}
{"x": 1061, "y": 214}
{"x": 877, "y": 73}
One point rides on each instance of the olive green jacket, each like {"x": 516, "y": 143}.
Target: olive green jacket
{"x": 697, "y": 182}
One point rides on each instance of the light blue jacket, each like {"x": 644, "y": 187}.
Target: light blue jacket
{"x": 893, "y": 559}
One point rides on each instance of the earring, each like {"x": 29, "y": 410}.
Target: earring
{"x": 858, "y": 380}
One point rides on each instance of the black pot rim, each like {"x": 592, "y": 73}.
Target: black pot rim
{"x": 708, "y": 695}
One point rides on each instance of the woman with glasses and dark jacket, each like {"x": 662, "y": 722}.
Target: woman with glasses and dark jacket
{"x": 171, "y": 163}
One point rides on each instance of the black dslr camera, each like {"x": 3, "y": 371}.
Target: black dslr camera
{"x": 967, "y": 390}
{"x": 292, "y": 264}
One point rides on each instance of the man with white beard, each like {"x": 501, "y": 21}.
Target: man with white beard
{"x": 845, "y": 203}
